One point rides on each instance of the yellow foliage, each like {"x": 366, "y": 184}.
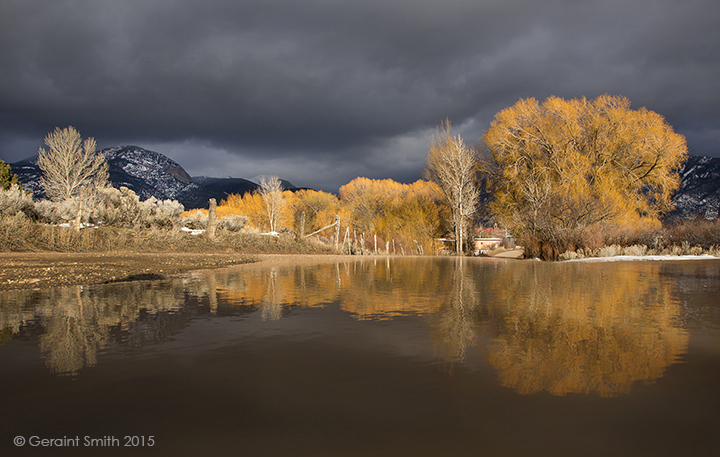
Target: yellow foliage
{"x": 407, "y": 213}
{"x": 320, "y": 209}
{"x": 251, "y": 204}
{"x": 563, "y": 166}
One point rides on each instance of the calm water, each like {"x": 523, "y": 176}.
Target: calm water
{"x": 403, "y": 356}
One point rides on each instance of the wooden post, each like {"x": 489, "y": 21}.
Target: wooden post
{"x": 78, "y": 219}
{"x": 337, "y": 230}
{"x": 212, "y": 219}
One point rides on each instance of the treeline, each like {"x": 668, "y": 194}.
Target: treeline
{"x": 378, "y": 216}
{"x": 562, "y": 176}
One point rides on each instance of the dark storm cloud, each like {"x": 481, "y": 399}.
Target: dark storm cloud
{"x": 323, "y": 91}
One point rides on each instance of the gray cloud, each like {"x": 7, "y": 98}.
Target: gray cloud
{"x": 323, "y": 91}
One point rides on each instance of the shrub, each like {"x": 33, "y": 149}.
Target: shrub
{"x": 14, "y": 200}
{"x": 195, "y": 220}
{"x": 159, "y": 213}
{"x": 232, "y": 223}
{"x": 117, "y": 207}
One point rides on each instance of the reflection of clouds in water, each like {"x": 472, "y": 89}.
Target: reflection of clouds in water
{"x": 587, "y": 330}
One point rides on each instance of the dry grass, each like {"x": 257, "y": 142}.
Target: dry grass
{"x": 691, "y": 237}
{"x": 18, "y": 233}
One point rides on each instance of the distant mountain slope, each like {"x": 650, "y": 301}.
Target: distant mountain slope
{"x": 225, "y": 186}
{"x": 699, "y": 192}
{"x": 149, "y": 174}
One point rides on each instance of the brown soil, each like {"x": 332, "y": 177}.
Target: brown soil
{"x": 37, "y": 270}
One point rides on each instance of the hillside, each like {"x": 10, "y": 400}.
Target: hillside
{"x": 149, "y": 174}
{"x": 699, "y": 193}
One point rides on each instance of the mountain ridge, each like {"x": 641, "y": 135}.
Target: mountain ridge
{"x": 149, "y": 174}
{"x": 152, "y": 174}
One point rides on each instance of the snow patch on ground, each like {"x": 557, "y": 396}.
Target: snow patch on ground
{"x": 192, "y": 231}
{"x": 622, "y": 258}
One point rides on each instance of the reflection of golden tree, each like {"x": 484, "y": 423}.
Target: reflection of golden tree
{"x": 456, "y": 327}
{"x": 375, "y": 289}
{"x": 384, "y": 289}
{"x": 584, "y": 328}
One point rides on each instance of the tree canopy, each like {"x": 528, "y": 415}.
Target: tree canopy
{"x": 71, "y": 166}
{"x": 561, "y": 167}
{"x": 7, "y": 177}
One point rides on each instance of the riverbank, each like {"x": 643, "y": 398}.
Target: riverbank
{"x": 40, "y": 270}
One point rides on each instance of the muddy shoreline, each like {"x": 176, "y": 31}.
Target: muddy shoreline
{"x": 39, "y": 270}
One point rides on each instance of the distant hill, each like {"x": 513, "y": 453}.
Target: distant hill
{"x": 227, "y": 186}
{"x": 699, "y": 193}
{"x": 149, "y": 174}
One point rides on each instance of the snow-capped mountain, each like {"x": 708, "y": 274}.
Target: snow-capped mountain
{"x": 151, "y": 174}
{"x": 147, "y": 173}
{"x": 699, "y": 192}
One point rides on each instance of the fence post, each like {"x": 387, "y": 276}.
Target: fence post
{"x": 337, "y": 230}
{"x": 212, "y": 219}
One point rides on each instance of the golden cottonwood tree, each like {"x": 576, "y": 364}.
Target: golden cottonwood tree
{"x": 561, "y": 168}
{"x": 453, "y": 166}
{"x": 320, "y": 209}
{"x": 408, "y": 213}
{"x": 252, "y": 205}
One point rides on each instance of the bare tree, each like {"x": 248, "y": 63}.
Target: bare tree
{"x": 453, "y": 166}
{"x": 271, "y": 193}
{"x": 72, "y": 169}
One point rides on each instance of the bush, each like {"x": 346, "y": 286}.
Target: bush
{"x": 14, "y": 200}
{"x": 232, "y": 223}
{"x": 697, "y": 232}
{"x": 116, "y": 207}
{"x": 159, "y": 213}
{"x": 195, "y": 220}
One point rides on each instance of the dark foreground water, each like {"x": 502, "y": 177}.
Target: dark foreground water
{"x": 404, "y": 356}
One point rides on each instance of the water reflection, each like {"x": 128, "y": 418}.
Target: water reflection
{"x": 456, "y": 323}
{"x": 565, "y": 329}
{"x": 75, "y": 323}
{"x": 581, "y": 328}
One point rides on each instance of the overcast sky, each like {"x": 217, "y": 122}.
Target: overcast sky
{"x": 320, "y": 92}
